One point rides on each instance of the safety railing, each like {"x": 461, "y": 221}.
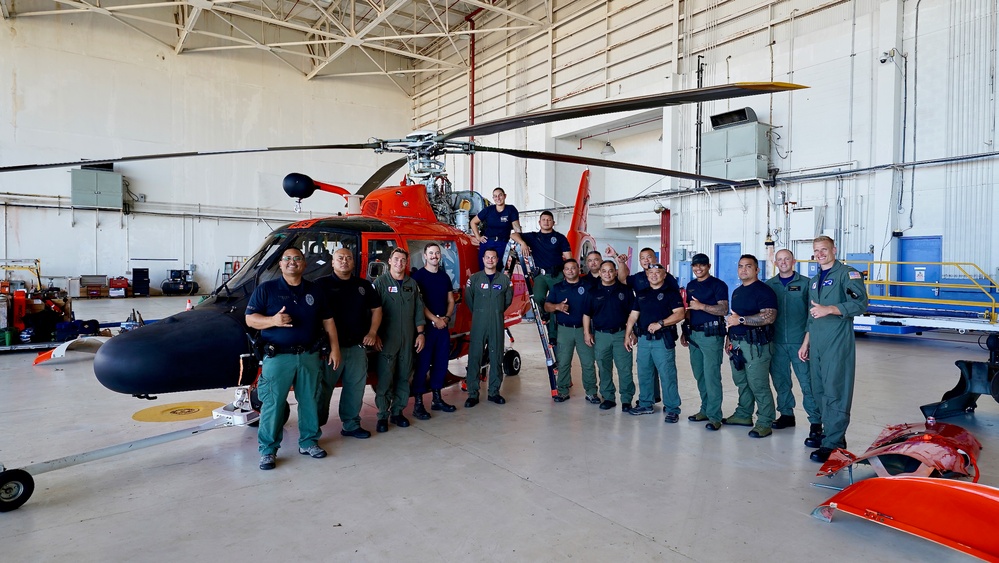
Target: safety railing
{"x": 884, "y": 289}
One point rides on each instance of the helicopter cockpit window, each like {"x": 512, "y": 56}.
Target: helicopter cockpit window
{"x": 378, "y": 255}
{"x": 250, "y": 267}
{"x": 449, "y": 258}
{"x": 318, "y": 248}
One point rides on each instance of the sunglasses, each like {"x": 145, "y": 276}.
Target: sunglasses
{"x": 291, "y": 258}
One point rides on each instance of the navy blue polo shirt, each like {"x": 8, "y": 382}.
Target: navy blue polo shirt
{"x": 547, "y": 249}
{"x": 654, "y": 305}
{"x": 306, "y": 304}
{"x": 708, "y": 292}
{"x": 578, "y": 296}
{"x": 640, "y": 282}
{"x": 498, "y": 223}
{"x": 352, "y": 300}
{"x": 434, "y": 287}
{"x": 749, "y": 300}
{"x": 610, "y": 306}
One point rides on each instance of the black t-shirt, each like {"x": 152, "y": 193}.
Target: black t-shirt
{"x": 610, "y": 306}
{"x": 654, "y": 305}
{"x": 749, "y": 300}
{"x": 547, "y": 249}
{"x": 434, "y": 287}
{"x": 708, "y": 292}
{"x": 577, "y": 295}
{"x": 352, "y": 300}
{"x": 306, "y": 304}
{"x": 640, "y": 282}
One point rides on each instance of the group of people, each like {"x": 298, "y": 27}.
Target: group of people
{"x": 602, "y": 315}
{"x": 311, "y": 345}
{"x": 789, "y": 322}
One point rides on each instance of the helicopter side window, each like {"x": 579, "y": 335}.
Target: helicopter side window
{"x": 318, "y": 248}
{"x": 378, "y": 254}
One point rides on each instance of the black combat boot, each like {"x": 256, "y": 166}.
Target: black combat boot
{"x": 419, "y": 412}
{"x": 438, "y": 404}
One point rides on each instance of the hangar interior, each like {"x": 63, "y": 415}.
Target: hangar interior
{"x": 889, "y": 150}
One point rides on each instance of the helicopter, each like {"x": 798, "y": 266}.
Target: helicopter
{"x": 201, "y": 348}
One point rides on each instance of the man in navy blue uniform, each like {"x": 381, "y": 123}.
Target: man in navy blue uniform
{"x": 502, "y": 222}
{"x": 569, "y": 299}
{"x": 640, "y": 282}
{"x": 438, "y": 308}
{"x": 750, "y": 329}
{"x": 550, "y": 249}
{"x": 652, "y": 325}
{"x": 707, "y": 305}
{"x": 358, "y": 314}
{"x": 603, "y": 328}
{"x": 291, "y": 313}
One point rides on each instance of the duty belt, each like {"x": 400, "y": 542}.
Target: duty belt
{"x": 494, "y": 239}
{"x": 272, "y": 350}
{"x": 610, "y": 330}
{"x": 570, "y": 326}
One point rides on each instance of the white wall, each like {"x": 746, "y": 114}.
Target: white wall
{"x": 92, "y": 90}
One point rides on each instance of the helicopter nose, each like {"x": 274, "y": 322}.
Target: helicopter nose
{"x": 189, "y": 351}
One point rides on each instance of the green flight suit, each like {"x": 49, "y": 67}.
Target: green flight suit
{"x": 402, "y": 314}
{"x": 487, "y": 300}
{"x": 833, "y": 348}
{"x": 789, "y": 333}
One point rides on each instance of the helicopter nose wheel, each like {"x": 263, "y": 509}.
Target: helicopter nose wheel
{"x": 16, "y": 486}
{"x": 511, "y": 362}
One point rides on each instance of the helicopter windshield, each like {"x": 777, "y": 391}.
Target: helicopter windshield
{"x": 317, "y": 247}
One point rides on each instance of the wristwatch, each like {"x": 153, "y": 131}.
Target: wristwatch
{"x": 742, "y": 320}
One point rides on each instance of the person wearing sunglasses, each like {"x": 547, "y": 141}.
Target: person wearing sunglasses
{"x": 291, "y": 314}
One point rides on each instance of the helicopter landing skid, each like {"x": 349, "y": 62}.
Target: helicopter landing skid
{"x": 17, "y": 485}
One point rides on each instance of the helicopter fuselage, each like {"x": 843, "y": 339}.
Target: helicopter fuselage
{"x": 200, "y": 349}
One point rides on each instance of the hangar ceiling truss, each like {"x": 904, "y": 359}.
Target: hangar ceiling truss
{"x": 319, "y": 38}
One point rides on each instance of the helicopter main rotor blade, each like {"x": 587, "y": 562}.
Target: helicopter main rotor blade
{"x": 378, "y": 178}
{"x": 519, "y": 153}
{"x": 695, "y": 95}
{"x": 23, "y": 167}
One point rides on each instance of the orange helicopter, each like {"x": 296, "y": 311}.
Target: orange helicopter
{"x": 200, "y": 349}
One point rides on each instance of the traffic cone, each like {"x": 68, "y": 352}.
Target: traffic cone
{"x": 189, "y": 306}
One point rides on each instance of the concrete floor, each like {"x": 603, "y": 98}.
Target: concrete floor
{"x": 528, "y": 481}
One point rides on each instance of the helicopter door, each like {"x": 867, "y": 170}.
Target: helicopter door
{"x": 376, "y": 258}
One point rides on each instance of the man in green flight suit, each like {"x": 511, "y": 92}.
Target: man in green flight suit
{"x": 487, "y": 293}
{"x": 401, "y": 332}
{"x": 789, "y": 332}
{"x": 837, "y": 294}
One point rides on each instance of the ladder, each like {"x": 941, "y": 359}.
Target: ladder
{"x": 511, "y": 258}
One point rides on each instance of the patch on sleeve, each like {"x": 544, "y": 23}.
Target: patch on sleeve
{"x": 855, "y": 275}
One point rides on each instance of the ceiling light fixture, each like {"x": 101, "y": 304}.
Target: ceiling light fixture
{"x": 608, "y": 149}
